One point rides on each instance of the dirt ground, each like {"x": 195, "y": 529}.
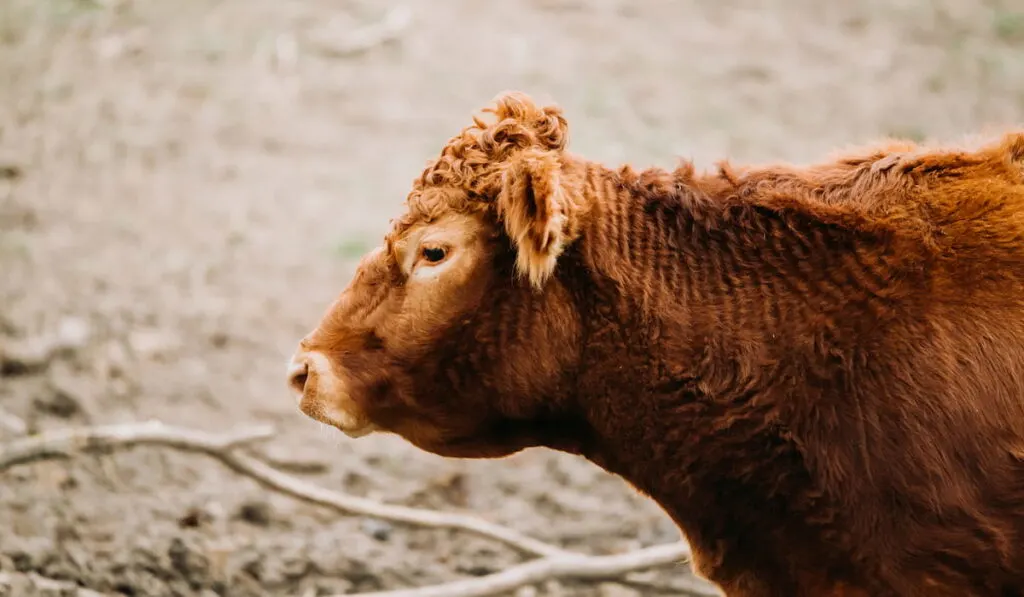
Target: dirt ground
{"x": 185, "y": 185}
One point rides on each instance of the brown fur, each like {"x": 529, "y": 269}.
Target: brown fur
{"x": 818, "y": 372}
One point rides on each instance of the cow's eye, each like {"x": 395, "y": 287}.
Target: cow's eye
{"x": 434, "y": 254}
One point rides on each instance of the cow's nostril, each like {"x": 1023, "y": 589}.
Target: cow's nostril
{"x": 297, "y": 377}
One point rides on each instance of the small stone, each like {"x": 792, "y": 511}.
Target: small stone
{"x": 219, "y": 339}
{"x": 195, "y": 517}
{"x": 63, "y": 399}
{"x": 31, "y": 553}
{"x": 32, "y": 355}
{"x": 476, "y": 569}
{"x": 10, "y": 171}
{"x": 24, "y": 357}
{"x": 152, "y": 343}
{"x": 7, "y": 327}
{"x": 65, "y": 531}
{"x": 254, "y": 512}
{"x": 253, "y": 567}
{"x": 189, "y": 562}
{"x": 73, "y": 333}
{"x": 112, "y": 360}
{"x": 378, "y": 529}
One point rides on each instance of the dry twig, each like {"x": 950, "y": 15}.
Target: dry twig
{"x": 577, "y": 567}
{"x": 553, "y": 562}
{"x": 63, "y": 443}
{"x": 351, "y": 504}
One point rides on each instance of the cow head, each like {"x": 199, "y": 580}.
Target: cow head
{"x": 455, "y": 334}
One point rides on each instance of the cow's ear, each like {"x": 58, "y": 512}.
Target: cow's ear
{"x": 535, "y": 210}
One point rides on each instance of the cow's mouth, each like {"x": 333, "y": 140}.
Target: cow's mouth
{"x": 323, "y": 396}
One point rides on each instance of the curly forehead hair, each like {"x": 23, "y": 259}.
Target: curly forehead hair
{"x": 467, "y": 173}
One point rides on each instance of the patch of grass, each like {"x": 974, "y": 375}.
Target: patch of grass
{"x": 15, "y": 245}
{"x": 352, "y": 248}
{"x": 17, "y": 16}
{"x": 936, "y": 83}
{"x": 69, "y": 9}
{"x": 1009, "y": 25}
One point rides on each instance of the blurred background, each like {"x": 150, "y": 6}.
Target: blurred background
{"x": 184, "y": 186}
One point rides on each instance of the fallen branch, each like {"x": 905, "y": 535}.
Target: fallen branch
{"x": 553, "y": 562}
{"x": 63, "y": 443}
{"x": 574, "y": 567}
{"x": 351, "y": 504}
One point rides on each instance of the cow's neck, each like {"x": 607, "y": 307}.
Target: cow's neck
{"x": 659, "y": 304}
{"x": 677, "y": 332}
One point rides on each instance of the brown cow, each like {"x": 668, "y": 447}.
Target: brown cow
{"x": 817, "y": 372}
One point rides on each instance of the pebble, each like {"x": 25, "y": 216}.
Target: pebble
{"x": 152, "y": 343}
{"x": 255, "y": 512}
{"x": 219, "y": 339}
{"x": 23, "y": 357}
{"x": 187, "y": 560}
{"x": 9, "y": 171}
{"x": 195, "y": 517}
{"x": 73, "y": 333}
{"x": 63, "y": 398}
{"x": 32, "y": 355}
{"x": 378, "y": 529}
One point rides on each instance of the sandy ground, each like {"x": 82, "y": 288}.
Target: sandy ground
{"x": 185, "y": 185}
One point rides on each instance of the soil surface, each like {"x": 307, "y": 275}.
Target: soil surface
{"x": 185, "y": 185}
